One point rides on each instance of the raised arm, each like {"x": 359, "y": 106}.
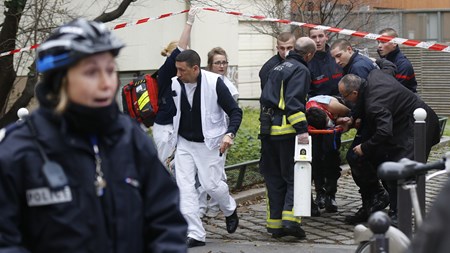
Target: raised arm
{"x": 186, "y": 34}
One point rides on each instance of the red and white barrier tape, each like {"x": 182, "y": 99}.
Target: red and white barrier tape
{"x": 365, "y": 35}
{"x": 116, "y": 27}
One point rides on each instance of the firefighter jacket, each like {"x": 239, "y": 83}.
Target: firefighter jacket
{"x": 405, "y": 72}
{"x": 138, "y": 211}
{"x": 284, "y": 95}
{"x": 267, "y": 67}
{"x": 325, "y": 74}
{"x": 359, "y": 65}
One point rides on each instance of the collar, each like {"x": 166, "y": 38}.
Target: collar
{"x": 322, "y": 54}
{"x": 392, "y": 55}
{"x": 53, "y": 128}
{"x": 294, "y": 55}
{"x": 350, "y": 62}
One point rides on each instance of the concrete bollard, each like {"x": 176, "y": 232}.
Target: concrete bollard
{"x": 403, "y": 197}
{"x": 22, "y": 113}
{"x": 420, "y": 140}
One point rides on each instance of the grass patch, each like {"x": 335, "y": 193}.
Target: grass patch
{"x": 246, "y": 147}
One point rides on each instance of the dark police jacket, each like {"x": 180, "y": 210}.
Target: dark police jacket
{"x": 405, "y": 72}
{"x": 388, "y": 112}
{"x": 267, "y": 67}
{"x": 285, "y": 93}
{"x": 359, "y": 65}
{"x": 325, "y": 74}
{"x": 139, "y": 211}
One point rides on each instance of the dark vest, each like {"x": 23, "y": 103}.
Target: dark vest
{"x": 190, "y": 120}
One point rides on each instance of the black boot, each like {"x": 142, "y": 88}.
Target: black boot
{"x": 320, "y": 198}
{"x": 330, "y": 204}
{"x": 394, "y": 218}
{"x": 361, "y": 215}
{"x": 315, "y": 212}
{"x": 379, "y": 201}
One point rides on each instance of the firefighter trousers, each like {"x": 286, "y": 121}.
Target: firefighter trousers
{"x": 277, "y": 167}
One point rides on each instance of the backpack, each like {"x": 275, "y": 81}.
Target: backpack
{"x": 140, "y": 99}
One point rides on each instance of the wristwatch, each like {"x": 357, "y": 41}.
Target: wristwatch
{"x": 231, "y": 135}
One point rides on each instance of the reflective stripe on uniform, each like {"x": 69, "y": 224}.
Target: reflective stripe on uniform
{"x": 289, "y": 216}
{"x": 281, "y": 103}
{"x": 296, "y": 118}
{"x": 271, "y": 223}
{"x": 285, "y": 128}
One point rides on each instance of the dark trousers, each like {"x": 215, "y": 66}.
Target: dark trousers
{"x": 277, "y": 167}
{"x": 364, "y": 172}
{"x": 326, "y": 162}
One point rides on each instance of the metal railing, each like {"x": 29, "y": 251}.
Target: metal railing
{"x": 242, "y": 167}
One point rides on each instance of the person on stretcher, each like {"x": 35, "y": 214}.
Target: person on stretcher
{"x": 327, "y": 112}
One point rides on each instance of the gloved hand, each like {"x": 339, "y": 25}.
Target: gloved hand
{"x": 191, "y": 15}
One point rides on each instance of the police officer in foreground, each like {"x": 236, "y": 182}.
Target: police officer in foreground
{"x": 77, "y": 175}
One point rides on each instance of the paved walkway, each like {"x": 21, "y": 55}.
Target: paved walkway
{"x": 327, "y": 233}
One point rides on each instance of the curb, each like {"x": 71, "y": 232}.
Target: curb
{"x": 247, "y": 195}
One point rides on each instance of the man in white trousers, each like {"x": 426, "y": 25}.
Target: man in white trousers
{"x": 202, "y": 135}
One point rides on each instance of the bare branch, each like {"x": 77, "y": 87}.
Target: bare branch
{"x": 119, "y": 11}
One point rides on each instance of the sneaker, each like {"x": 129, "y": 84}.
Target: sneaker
{"x": 359, "y": 217}
{"x": 320, "y": 199}
{"x": 330, "y": 204}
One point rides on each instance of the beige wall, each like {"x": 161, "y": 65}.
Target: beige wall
{"x": 145, "y": 42}
{"x": 412, "y": 4}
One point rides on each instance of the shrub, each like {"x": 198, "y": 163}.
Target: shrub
{"x": 246, "y": 144}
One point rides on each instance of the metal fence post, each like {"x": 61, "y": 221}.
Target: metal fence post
{"x": 420, "y": 138}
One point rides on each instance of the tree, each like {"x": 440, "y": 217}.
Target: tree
{"x": 41, "y": 17}
{"x": 334, "y": 13}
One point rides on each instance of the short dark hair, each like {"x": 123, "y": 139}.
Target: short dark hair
{"x": 389, "y": 31}
{"x": 316, "y": 118}
{"x": 341, "y": 44}
{"x": 285, "y": 36}
{"x": 190, "y": 57}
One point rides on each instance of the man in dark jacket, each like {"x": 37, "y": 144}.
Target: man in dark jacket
{"x": 283, "y": 102}
{"x": 285, "y": 43}
{"x": 388, "y": 109}
{"x": 391, "y": 52}
{"x": 374, "y": 196}
{"x": 325, "y": 76}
